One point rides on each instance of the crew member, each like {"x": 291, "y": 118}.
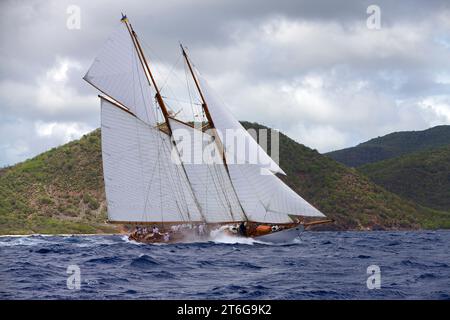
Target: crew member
{"x": 166, "y": 237}
{"x": 243, "y": 229}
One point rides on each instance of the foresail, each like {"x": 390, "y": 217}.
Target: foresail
{"x": 226, "y": 123}
{"x": 118, "y": 73}
{"x": 265, "y": 198}
{"x": 207, "y": 174}
{"x": 142, "y": 183}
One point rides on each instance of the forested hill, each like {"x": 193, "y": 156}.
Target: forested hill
{"x": 423, "y": 177}
{"x": 393, "y": 145}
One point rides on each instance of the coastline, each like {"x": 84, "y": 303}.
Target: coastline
{"x": 125, "y": 233}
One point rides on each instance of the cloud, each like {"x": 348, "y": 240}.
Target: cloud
{"x": 310, "y": 69}
{"x": 43, "y": 113}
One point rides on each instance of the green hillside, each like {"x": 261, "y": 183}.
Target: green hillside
{"x": 61, "y": 191}
{"x": 346, "y": 195}
{"x": 423, "y": 177}
{"x": 392, "y": 145}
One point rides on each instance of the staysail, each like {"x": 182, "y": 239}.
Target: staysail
{"x": 265, "y": 197}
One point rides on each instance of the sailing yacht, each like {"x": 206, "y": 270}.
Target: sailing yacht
{"x": 152, "y": 172}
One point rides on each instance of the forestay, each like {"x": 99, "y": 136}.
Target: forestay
{"x": 142, "y": 182}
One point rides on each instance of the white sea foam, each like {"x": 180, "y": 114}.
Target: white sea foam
{"x": 219, "y": 236}
{"x": 23, "y": 241}
{"x": 127, "y": 240}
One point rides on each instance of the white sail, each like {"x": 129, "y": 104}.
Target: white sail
{"x": 207, "y": 174}
{"x": 142, "y": 182}
{"x": 225, "y": 123}
{"x": 265, "y": 198}
{"x": 118, "y": 73}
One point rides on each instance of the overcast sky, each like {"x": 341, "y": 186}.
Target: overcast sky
{"x": 312, "y": 69}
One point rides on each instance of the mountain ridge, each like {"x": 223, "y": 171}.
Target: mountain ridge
{"x": 392, "y": 145}
{"x": 423, "y": 176}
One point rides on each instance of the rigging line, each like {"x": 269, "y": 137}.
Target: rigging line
{"x": 144, "y": 215}
{"x": 170, "y": 73}
{"x": 179, "y": 172}
{"x": 141, "y": 85}
{"x": 189, "y": 91}
{"x": 224, "y": 200}
{"x": 226, "y": 193}
{"x": 158, "y": 134}
{"x": 159, "y": 60}
{"x": 191, "y": 188}
{"x": 182, "y": 101}
{"x": 209, "y": 117}
{"x": 223, "y": 181}
{"x": 216, "y": 181}
{"x": 138, "y": 139}
{"x": 160, "y": 184}
{"x": 162, "y": 106}
{"x": 199, "y": 207}
{"x": 174, "y": 185}
{"x": 150, "y": 183}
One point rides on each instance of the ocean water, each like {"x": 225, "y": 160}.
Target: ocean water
{"x": 322, "y": 265}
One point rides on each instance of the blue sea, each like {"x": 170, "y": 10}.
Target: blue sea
{"x": 322, "y": 265}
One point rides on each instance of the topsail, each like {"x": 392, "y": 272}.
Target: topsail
{"x": 118, "y": 73}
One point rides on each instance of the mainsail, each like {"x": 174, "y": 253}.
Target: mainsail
{"x": 147, "y": 175}
{"x": 142, "y": 183}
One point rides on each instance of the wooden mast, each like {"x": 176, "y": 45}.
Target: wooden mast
{"x": 160, "y": 101}
{"x": 211, "y": 124}
{"x": 205, "y": 107}
{"x": 146, "y": 67}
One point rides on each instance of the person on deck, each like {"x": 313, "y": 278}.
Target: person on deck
{"x": 166, "y": 237}
{"x": 243, "y": 229}
{"x": 202, "y": 229}
{"x": 155, "y": 230}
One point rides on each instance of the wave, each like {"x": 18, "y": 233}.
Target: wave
{"x": 104, "y": 260}
{"x": 144, "y": 261}
{"x": 23, "y": 241}
{"x": 127, "y": 240}
{"x": 218, "y": 236}
{"x": 226, "y": 267}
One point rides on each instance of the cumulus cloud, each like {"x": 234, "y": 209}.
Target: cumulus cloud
{"x": 310, "y": 69}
